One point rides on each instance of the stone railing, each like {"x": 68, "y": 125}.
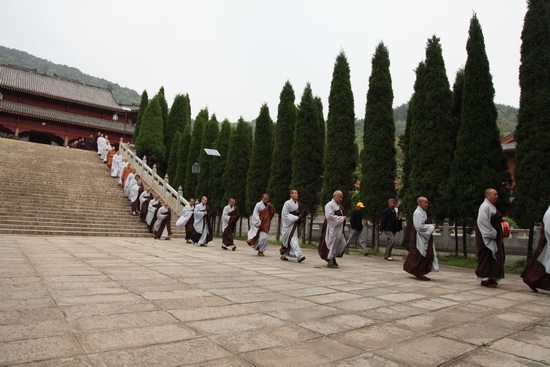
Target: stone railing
{"x": 150, "y": 177}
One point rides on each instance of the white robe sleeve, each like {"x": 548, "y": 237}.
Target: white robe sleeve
{"x": 488, "y": 233}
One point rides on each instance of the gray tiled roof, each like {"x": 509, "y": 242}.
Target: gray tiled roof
{"x": 509, "y": 147}
{"x": 30, "y": 81}
{"x": 61, "y": 116}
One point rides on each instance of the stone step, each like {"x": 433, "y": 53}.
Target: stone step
{"x": 78, "y": 233}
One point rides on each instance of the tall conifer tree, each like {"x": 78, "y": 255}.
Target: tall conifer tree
{"x": 222, "y": 146}
{"x": 181, "y": 166}
{"x": 194, "y": 151}
{"x": 431, "y": 147}
{"x": 238, "y": 161}
{"x": 378, "y": 166}
{"x": 458, "y": 88}
{"x": 209, "y": 136}
{"x": 163, "y": 105}
{"x": 307, "y": 165}
{"x": 176, "y": 122}
{"x": 173, "y": 160}
{"x": 340, "y": 159}
{"x": 142, "y": 107}
{"x": 532, "y": 172}
{"x": 323, "y": 128}
{"x": 262, "y": 149}
{"x": 281, "y": 164}
{"x": 478, "y": 162}
{"x": 150, "y": 140}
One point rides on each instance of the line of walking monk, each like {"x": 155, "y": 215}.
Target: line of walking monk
{"x": 421, "y": 260}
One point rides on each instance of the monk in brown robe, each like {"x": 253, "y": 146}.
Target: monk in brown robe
{"x": 422, "y": 257}
{"x": 490, "y": 247}
{"x": 127, "y": 170}
{"x": 537, "y": 272}
{"x": 261, "y": 222}
{"x": 230, "y": 217}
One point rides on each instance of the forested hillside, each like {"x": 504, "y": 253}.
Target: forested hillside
{"x": 10, "y": 56}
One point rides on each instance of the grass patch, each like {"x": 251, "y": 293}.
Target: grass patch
{"x": 471, "y": 263}
{"x": 516, "y": 267}
{"x": 460, "y": 261}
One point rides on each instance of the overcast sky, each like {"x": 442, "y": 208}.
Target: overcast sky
{"x": 234, "y": 55}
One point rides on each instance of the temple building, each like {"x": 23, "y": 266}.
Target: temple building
{"x": 56, "y": 110}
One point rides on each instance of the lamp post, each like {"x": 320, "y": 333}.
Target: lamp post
{"x": 196, "y": 168}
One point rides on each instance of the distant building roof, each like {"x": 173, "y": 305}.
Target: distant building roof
{"x": 30, "y": 81}
{"x": 61, "y": 116}
{"x": 508, "y": 143}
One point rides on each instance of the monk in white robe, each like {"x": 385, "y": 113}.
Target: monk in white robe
{"x": 130, "y": 181}
{"x": 537, "y": 271}
{"x": 489, "y": 242}
{"x": 135, "y": 193}
{"x": 187, "y": 220}
{"x": 291, "y": 215}
{"x": 161, "y": 228}
{"x": 202, "y": 215}
{"x": 154, "y": 204}
{"x": 333, "y": 242}
{"x": 230, "y": 216}
{"x": 116, "y": 165}
{"x": 258, "y": 234}
{"x": 144, "y": 199}
{"x": 101, "y": 145}
{"x": 422, "y": 257}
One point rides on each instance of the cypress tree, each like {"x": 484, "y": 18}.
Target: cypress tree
{"x": 187, "y": 111}
{"x": 406, "y": 193}
{"x": 209, "y": 135}
{"x": 532, "y": 172}
{"x": 222, "y": 146}
{"x": 323, "y": 127}
{"x": 458, "y": 87}
{"x": 163, "y": 106}
{"x": 173, "y": 160}
{"x": 339, "y": 156}
{"x": 150, "y": 140}
{"x": 478, "y": 162}
{"x": 280, "y": 172}
{"x": 181, "y": 166}
{"x": 431, "y": 147}
{"x": 176, "y": 122}
{"x": 142, "y": 107}
{"x": 452, "y": 205}
{"x": 238, "y": 161}
{"x": 378, "y": 156}
{"x": 262, "y": 149}
{"x": 307, "y": 166}
{"x": 194, "y": 152}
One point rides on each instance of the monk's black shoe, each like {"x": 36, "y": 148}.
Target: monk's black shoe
{"x": 284, "y": 258}
{"x": 224, "y": 247}
{"x": 534, "y": 289}
{"x": 301, "y": 259}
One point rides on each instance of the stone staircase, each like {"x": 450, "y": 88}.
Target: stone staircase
{"x": 49, "y": 190}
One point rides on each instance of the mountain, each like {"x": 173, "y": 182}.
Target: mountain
{"x": 11, "y": 56}
{"x": 507, "y": 119}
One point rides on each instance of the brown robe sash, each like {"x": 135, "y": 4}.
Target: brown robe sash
{"x": 158, "y": 205}
{"x": 195, "y": 236}
{"x": 487, "y": 266}
{"x": 227, "y": 237}
{"x": 265, "y": 217}
{"x": 144, "y": 209}
{"x": 415, "y": 263}
{"x": 165, "y": 223}
{"x": 323, "y": 249}
{"x": 535, "y": 274}
{"x": 286, "y": 246}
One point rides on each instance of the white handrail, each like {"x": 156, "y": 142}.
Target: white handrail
{"x": 150, "y": 177}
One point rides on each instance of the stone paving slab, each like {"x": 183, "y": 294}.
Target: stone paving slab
{"x": 79, "y": 301}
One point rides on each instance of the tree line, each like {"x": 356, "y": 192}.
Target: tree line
{"x": 450, "y": 144}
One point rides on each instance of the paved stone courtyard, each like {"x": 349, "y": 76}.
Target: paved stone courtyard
{"x": 97, "y": 301}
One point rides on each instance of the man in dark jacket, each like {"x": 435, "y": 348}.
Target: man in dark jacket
{"x": 389, "y": 225}
{"x": 356, "y": 223}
